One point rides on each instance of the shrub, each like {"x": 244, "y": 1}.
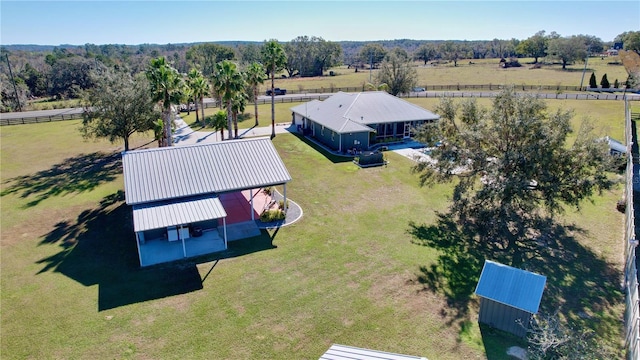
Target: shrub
{"x": 272, "y": 215}
{"x": 281, "y": 204}
{"x": 592, "y": 81}
{"x": 605, "y": 82}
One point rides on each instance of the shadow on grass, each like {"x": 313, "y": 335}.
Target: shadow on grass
{"x": 73, "y": 175}
{"x": 99, "y": 248}
{"x": 582, "y": 285}
{"x": 322, "y": 150}
{"x": 497, "y": 343}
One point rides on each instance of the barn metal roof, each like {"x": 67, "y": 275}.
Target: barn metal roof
{"x": 182, "y": 171}
{"x": 352, "y": 112}
{"x": 176, "y": 212}
{"x": 344, "y": 352}
{"x": 511, "y": 286}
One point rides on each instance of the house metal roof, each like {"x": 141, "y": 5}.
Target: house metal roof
{"x": 343, "y": 352}
{"x": 176, "y": 212}
{"x": 352, "y": 112}
{"x": 511, "y": 286}
{"x": 182, "y": 171}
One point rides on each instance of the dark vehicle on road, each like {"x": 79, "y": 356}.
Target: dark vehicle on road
{"x": 277, "y": 91}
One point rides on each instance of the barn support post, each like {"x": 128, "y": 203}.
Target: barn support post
{"x": 251, "y": 197}
{"x": 224, "y": 229}
{"x": 138, "y": 246}
{"x": 285, "y": 197}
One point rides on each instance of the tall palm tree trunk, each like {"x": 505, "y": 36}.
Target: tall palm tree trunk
{"x": 166, "y": 114}
{"x": 235, "y": 123}
{"x": 255, "y": 102}
{"x": 273, "y": 105}
{"x": 196, "y": 102}
{"x": 229, "y": 119}
{"x": 204, "y": 123}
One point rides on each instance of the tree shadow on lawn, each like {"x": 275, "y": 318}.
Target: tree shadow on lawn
{"x": 99, "y": 248}
{"x": 581, "y": 285}
{"x": 73, "y": 175}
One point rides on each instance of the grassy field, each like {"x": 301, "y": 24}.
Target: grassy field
{"x": 349, "y": 272}
{"x": 607, "y": 116}
{"x": 481, "y": 72}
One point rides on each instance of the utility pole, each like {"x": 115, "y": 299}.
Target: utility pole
{"x": 370, "y": 66}
{"x": 15, "y": 90}
{"x": 584, "y": 70}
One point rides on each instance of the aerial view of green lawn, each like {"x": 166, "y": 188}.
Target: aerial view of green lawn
{"x": 352, "y": 271}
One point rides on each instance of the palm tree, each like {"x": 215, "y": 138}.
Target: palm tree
{"x": 238, "y": 104}
{"x": 228, "y": 82}
{"x": 219, "y": 122}
{"x": 274, "y": 59}
{"x": 167, "y": 89}
{"x": 255, "y": 76}
{"x": 200, "y": 88}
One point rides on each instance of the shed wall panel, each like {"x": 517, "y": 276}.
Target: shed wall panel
{"x": 503, "y": 317}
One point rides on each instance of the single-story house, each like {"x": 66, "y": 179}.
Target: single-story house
{"x": 347, "y": 121}
{"x": 174, "y": 192}
{"x": 508, "y": 297}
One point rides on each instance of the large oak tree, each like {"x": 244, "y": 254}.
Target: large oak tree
{"x": 119, "y": 106}
{"x": 512, "y": 164}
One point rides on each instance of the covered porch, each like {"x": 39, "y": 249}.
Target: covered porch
{"x": 160, "y": 250}
{"x": 178, "y": 229}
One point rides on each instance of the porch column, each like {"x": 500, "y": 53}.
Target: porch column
{"x": 224, "y": 230}
{"x": 184, "y": 248}
{"x": 138, "y": 246}
{"x": 285, "y": 197}
{"x": 251, "y": 197}
{"x": 340, "y": 143}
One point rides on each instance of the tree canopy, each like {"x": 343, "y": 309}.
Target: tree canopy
{"x": 310, "y": 56}
{"x": 535, "y": 46}
{"x": 567, "y": 49}
{"x": 398, "y": 73}
{"x": 372, "y": 54}
{"x": 229, "y": 83}
{"x": 513, "y": 164}
{"x": 426, "y": 53}
{"x": 206, "y": 56}
{"x": 167, "y": 89}
{"x": 118, "y": 107}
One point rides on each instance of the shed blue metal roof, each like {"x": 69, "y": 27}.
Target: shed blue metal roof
{"x": 511, "y": 286}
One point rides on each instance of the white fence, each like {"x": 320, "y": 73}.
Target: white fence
{"x": 632, "y": 309}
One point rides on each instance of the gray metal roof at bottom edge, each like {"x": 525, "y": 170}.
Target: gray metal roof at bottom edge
{"x": 181, "y": 171}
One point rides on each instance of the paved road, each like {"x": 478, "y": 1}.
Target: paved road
{"x": 301, "y": 97}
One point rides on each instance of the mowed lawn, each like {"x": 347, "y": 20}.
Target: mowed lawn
{"x": 347, "y": 273}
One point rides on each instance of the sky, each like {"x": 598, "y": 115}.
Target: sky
{"x": 163, "y": 22}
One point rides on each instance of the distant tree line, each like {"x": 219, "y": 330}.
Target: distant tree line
{"x": 63, "y": 72}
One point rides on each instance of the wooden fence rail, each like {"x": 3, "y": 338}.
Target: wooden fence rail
{"x": 39, "y": 119}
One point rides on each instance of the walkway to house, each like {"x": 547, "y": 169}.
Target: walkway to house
{"x": 185, "y": 135}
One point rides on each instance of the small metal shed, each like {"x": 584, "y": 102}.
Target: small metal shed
{"x": 508, "y": 297}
